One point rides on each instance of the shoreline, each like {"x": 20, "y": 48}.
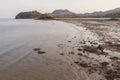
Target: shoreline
{"x": 89, "y": 19}
{"x": 79, "y": 51}
{"x": 110, "y": 69}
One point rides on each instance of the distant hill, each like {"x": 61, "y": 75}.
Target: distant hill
{"x": 66, "y": 13}
{"x": 101, "y": 13}
{"x": 114, "y": 13}
{"x": 29, "y": 14}
{"x": 33, "y": 15}
{"x": 63, "y": 13}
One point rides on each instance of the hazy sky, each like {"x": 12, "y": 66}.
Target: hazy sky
{"x": 9, "y": 8}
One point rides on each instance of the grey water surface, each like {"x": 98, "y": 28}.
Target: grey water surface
{"x": 18, "y": 60}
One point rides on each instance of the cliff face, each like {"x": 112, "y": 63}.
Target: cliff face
{"x": 28, "y": 15}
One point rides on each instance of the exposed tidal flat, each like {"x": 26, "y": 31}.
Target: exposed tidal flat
{"x": 59, "y": 50}
{"x": 107, "y": 61}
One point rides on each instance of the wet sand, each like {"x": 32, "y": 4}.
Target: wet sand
{"x": 19, "y": 59}
{"x": 106, "y": 64}
{"x": 55, "y": 50}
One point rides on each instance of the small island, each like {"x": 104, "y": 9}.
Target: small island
{"x": 34, "y": 15}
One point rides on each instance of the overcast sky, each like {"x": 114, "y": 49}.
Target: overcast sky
{"x": 9, "y": 8}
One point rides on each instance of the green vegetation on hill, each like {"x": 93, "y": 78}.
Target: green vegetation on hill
{"x": 46, "y": 16}
{"x": 34, "y": 15}
{"x": 113, "y": 15}
{"x": 28, "y": 15}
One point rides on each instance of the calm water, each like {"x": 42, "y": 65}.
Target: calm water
{"x": 18, "y": 37}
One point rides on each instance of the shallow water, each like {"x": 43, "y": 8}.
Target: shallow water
{"x": 28, "y": 34}
{"x": 18, "y": 60}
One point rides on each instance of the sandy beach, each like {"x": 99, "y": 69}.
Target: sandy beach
{"x": 107, "y": 62}
{"x": 61, "y": 50}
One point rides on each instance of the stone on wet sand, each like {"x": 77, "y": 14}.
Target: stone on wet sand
{"x": 80, "y": 54}
{"x": 61, "y": 53}
{"x": 69, "y": 41}
{"x": 41, "y": 52}
{"x": 71, "y": 53}
{"x": 104, "y": 64}
{"x": 114, "y": 58}
{"x": 79, "y": 49}
{"x": 36, "y": 49}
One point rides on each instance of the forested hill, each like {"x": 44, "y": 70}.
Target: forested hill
{"x": 33, "y": 15}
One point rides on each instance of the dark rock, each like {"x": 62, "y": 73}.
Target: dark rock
{"x": 36, "y": 49}
{"x": 104, "y": 63}
{"x": 100, "y": 47}
{"x": 41, "y": 52}
{"x": 77, "y": 62}
{"x": 61, "y": 53}
{"x": 69, "y": 41}
{"x": 83, "y": 64}
{"x": 112, "y": 75}
{"x": 71, "y": 53}
{"x": 79, "y": 49}
{"x": 96, "y": 50}
{"x": 114, "y": 58}
{"x": 80, "y": 54}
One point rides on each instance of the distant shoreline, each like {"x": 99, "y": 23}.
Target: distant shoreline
{"x": 90, "y": 19}
{"x": 80, "y": 19}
